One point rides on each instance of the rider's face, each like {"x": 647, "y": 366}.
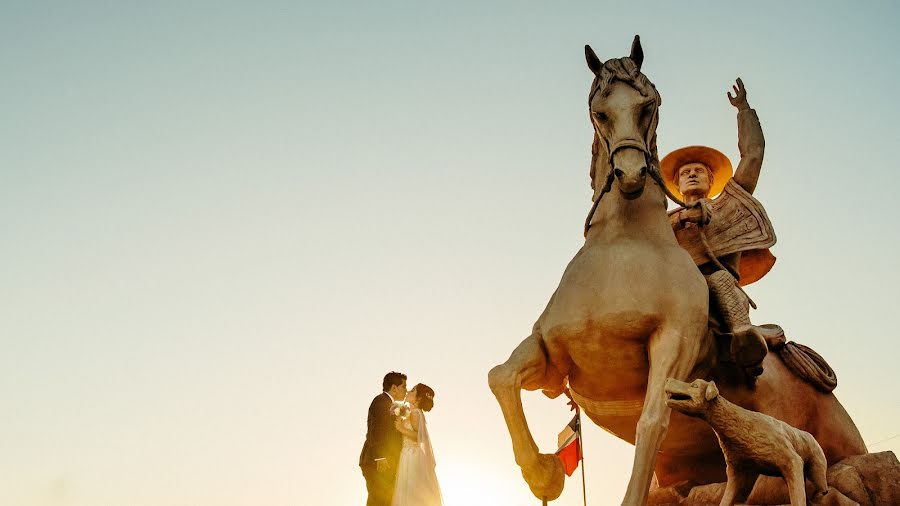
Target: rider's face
{"x": 693, "y": 178}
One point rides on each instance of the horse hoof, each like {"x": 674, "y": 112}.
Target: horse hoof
{"x": 545, "y": 477}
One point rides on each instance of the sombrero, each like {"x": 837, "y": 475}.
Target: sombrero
{"x": 712, "y": 158}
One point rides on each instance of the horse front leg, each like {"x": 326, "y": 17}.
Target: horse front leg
{"x": 527, "y": 368}
{"x": 672, "y": 354}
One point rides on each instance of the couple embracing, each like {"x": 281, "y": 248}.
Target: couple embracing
{"x": 397, "y": 459}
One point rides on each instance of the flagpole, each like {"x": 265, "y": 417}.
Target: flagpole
{"x": 581, "y": 450}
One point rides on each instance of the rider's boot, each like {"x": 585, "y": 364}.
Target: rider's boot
{"x": 748, "y": 343}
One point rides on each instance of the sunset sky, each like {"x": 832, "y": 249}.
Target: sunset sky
{"x": 224, "y": 221}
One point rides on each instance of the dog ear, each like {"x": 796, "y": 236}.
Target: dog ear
{"x": 711, "y": 391}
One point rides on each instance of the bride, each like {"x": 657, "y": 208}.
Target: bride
{"x": 417, "y": 484}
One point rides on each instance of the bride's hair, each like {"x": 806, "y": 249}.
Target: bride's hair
{"x": 424, "y": 396}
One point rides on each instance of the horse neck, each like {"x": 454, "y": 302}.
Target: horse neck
{"x": 641, "y": 218}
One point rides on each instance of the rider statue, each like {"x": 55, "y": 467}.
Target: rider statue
{"x": 728, "y": 236}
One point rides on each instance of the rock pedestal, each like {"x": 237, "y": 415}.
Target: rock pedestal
{"x": 868, "y": 480}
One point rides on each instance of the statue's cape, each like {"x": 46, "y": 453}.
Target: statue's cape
{"x": 739, "y": 225}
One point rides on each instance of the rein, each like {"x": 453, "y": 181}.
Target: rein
{"x": 653, "y": 169}
{"x": 657, "y": 178}
{"x": 643, "y": 146}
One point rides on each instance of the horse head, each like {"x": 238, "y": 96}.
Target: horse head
{"x": 624, "y": 109}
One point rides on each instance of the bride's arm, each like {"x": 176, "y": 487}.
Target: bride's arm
{"x": 401, "y": 427}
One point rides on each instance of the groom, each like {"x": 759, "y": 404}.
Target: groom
{"x": 381, "y": 451}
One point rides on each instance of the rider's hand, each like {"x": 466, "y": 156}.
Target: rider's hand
{"x": 739, "y": 99}
{"x": 690, "y": 216}
{"x": 698, "y": 212}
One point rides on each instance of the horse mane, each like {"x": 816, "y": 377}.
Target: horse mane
{"x": 627, "y": 71}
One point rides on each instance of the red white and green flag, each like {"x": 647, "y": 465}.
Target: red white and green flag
{"x": 569, "y": 444}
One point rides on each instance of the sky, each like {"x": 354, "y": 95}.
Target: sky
{"x": 225, "y": 221}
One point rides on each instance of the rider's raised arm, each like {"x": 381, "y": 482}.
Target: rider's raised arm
{"x": 751, "y": 142}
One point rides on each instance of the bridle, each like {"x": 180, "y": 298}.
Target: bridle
{"x": 641, "y": 145}
{"x": 653, "y": 170}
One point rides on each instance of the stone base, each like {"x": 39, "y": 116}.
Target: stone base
{"x": 866, "y": 480}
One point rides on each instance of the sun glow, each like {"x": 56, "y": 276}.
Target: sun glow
{"x": 467, "y": 487}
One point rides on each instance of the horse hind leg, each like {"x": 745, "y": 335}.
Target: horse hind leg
{"x": 527, "y": 368}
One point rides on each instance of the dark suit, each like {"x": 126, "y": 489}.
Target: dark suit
{"x": 382, "y": 441}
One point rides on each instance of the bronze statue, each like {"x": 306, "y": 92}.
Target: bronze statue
{"x": 729, "y": 237}
{"x": 632, "y": 310}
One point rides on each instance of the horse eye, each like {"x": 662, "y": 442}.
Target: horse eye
{"x": 600, "y": 116}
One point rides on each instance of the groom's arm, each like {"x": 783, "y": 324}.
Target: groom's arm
{"x": 379, "y": 423}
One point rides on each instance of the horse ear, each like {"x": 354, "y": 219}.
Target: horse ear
{"x": 712, "y": 391}
{"x": 593, "y": 62}
{"x": 637, "y": 52}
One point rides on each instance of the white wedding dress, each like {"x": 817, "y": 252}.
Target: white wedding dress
{"x": 417, "y": 483}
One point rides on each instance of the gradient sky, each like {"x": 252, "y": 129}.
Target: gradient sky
{"x": 225, "y": 221}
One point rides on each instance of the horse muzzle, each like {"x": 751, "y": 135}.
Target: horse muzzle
{"x": 632, "y": 185}
{"x": 630, "y": 159}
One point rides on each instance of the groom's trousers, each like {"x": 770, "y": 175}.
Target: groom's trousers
{"x": 379, "y": 484}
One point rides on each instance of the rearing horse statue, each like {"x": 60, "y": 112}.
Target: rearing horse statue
{"x": 631, "y": 310}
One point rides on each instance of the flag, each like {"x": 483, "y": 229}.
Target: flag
{"x": 569, "y": 444}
